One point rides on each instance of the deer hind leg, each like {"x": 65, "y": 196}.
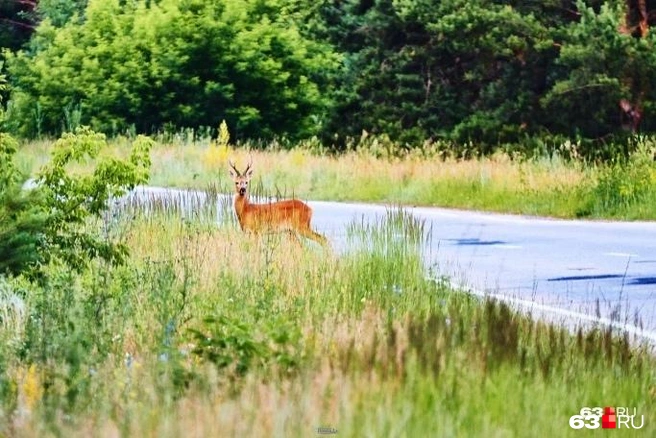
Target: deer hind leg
{"x": 313, "y": 235}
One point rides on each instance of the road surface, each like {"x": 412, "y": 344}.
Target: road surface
{"x": 578, "y": 271}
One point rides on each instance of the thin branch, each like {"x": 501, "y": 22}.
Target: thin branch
{"x": 583, "y": 87}
{"x": 569, "y": 11}
{"x": 31, "y": 3}
{"x": 19, "y": 24}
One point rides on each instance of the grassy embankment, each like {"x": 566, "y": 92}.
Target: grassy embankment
{"x": 545, "y": 187}
{"x": 206, "y": 332}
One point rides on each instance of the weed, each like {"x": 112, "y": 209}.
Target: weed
{"x": 626, "y": 182}
{"x": 207, "y": 331}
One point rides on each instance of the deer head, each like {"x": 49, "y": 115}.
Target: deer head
{"x": 241, "y": 180}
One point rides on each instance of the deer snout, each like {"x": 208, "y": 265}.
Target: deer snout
{"x": 242, "y": 191}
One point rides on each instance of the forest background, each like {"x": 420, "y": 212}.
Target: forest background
{"x": 471, "y": 76}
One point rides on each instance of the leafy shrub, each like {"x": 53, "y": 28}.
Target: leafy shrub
{"x": 21, "y": 218}
{"x": 72, "y": 200}
{"x": 22, "y": 223}
{"x": 236, "y": 347}
{"x": 49, "y": 222}
{"x": 48, "y": 233}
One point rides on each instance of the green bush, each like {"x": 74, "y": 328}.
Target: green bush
{"x": 626, "y": 181}
{"x": 49, "y": 234}
{"x": 237, "y": 347}
{"x": 22, "y": 223}
{"x": 21, "y": 218}
{"x": 49, "y": 221}
{"x": 145, "y": 65}
{"x": 72, "y": 200}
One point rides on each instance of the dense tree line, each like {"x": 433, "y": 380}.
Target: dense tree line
{"x": 479, "y": 72}
{"x": 491, "y": 72}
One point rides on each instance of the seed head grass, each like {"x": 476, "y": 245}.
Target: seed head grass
{"x": 547, "y": 186}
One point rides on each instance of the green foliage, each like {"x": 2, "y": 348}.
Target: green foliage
{"x": 470, "y": 70}
{"x": 16, "y": 23}
{"x": 59, "y": 12}
{"x": 21, "y": 226}
{"x": 236, "y": 347}
{"x": 487, "y": 72}
{"x": 147, "y": 64}
{"x": 475, "y": 75}
{"x": 50, "y": 221}
{"x": 48, "y": 232}
{"x": 74, "y": 199}
{"x": 21, "y": 219}
{"x": 20, "y": 18}
{"x": 598, "y": 66}
{"x": 625, "y": 182}
{"x": 62, "y": 339}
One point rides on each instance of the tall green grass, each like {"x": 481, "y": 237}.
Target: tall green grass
{"x": 207, "y": 331}
{"x": 559, "y": 185}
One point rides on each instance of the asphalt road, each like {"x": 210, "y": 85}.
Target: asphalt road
{"x": 575, "y": 271}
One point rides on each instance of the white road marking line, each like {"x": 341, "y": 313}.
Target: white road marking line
{"x": 621, "y": 254}
{"x": 531, "y": 305}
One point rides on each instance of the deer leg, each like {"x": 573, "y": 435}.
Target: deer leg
{"x": 313, "y": 235}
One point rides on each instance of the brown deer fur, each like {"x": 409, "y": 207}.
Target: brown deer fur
{"x": 292, "y": 216}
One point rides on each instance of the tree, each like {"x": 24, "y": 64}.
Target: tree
{"x": 147, "y": 64}
{"x": 21, "y": 225}
{"x": 72, "y": 200}
{"x": 21, "y": 221}
{"x": 442, "y": 69}
{"x": 607, "y": 76}
{"x": 19, "y": 18}
{"x": 59, "y": 12}
{"x": 49, "y": 221}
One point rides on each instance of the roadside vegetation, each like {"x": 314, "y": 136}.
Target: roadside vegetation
{"x": 167, "y": 323}
{"x": 561, "y": 184}
{"x": 205, "y": 331}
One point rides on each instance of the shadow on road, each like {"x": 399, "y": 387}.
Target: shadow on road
{"x": 642, "y": 281}
{"x": 480, "y": 242}
{"x": 586, "y": 277}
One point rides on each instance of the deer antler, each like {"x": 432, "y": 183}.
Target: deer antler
{"x": 250, "y": 163}
{"x": 234, "y": 168}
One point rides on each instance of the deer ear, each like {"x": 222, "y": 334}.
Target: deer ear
{"x": 232, "y": 173}
{"x": 249, "y": 173}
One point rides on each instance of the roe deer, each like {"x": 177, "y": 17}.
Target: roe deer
{"x": 292, "y": 216}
